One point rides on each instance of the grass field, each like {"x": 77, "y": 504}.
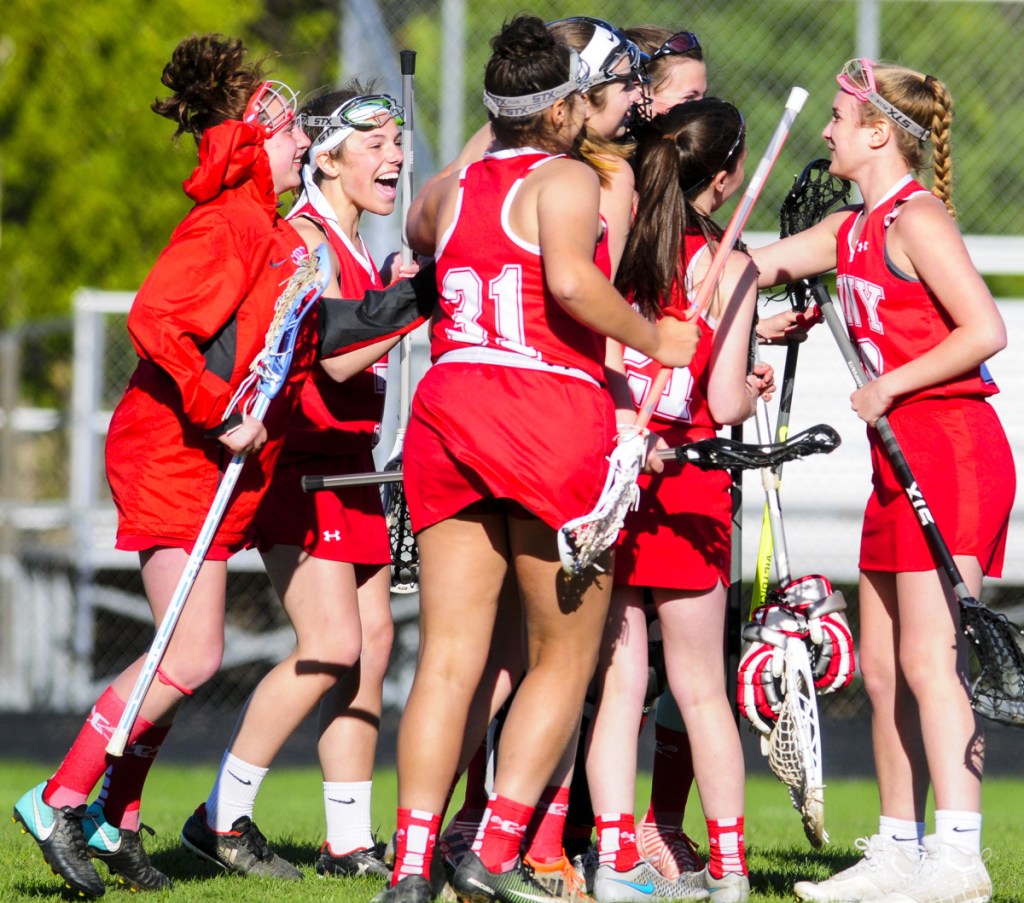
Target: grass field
{"x": 290, "y": 813}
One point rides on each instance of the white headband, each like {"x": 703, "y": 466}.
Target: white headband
{"x": 528, "y": 104}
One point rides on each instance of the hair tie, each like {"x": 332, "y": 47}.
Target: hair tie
{"x": 929, "y": 83}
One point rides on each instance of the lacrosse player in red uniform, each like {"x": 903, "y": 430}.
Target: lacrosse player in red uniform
{"x": 689, "y": 161}
{"x": 610, "y": 92}
{"x": 518, "y": 354}
{"x": 327, "y": 553}
{"x": 198, "y": 321}
{"x": 924, "y": 323}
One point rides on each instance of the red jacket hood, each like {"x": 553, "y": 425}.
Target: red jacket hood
{"x": 231, "y": 154}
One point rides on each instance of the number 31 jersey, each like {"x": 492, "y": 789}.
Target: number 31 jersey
{"x": 499, "y": 302}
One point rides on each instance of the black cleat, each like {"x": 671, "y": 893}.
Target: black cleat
{"x": 122, "y": 852}
{"x": 411, "y": 889}
{"x": 474, "y": 883}
{"x": 243, "y": 850}
{"x": 358, "y": 863}
{"x": 60, "y": 836}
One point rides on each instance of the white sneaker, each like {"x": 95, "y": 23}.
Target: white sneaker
{"x": 644, "y": 883}
{"x": 668, "y": 849}
{"x": 887, "y": 866}
{"x": 730, "y": 888}
{"x": 947, "y": 874}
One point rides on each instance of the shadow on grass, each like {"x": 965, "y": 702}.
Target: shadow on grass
{"x": 789, "y": 866}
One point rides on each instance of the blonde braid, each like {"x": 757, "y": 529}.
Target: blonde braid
{"x": 942, "y": 159}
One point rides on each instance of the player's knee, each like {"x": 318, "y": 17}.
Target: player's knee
{"x": 189, "y": 672}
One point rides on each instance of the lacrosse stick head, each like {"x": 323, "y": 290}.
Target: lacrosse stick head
{"x": 584, "y": 539}
{"x": 997, "y": 692}
{"x": 269, "y": 369}
{"x": 815, "y": 194}
{"x": 405, "y": 556}
{"x": 794, "y": 745}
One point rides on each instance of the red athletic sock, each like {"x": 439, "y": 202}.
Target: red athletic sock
{"x": 414, "y": 843}
{"x": 501, "y": 833}
{"x": 725, "y": 837}
{"x": 671, "y": 777}
{"x": 121, "y": 795}
{"x": 86, "y": 761}
{"x": 544, "y": 837}
{"x": 616, "y": 840}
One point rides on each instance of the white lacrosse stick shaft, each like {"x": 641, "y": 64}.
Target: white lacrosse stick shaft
{"x": 795, "y": 102}
{"x": 162, "y": 638}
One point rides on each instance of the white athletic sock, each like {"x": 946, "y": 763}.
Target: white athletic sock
{"x": 901, "y": 830}
{"x": 961, "y": 829}
{"x": 347, "y": 806}
{"x": 234, "y": 793}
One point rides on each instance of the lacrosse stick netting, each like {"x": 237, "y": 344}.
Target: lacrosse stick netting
{"x": 997, "y": 692}
{"x": 794, "y": 745}
{"x": 584, "y": 539}
{"x": 267, "y": 374}
{"x": 405, "y": 556}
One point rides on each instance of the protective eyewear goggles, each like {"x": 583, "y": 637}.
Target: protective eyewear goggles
{"x": 858, "y": 80}
{"x": 605, "y": 50}
{"x": 363, "y": 113}
{"x": 272, "y": 107}
{"x": 680, "y": 42}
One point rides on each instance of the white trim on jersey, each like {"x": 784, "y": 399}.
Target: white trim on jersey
{"x": 478, "y": 354}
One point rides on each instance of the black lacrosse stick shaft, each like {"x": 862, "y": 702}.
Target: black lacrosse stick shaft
{"x": 900, "y": 466}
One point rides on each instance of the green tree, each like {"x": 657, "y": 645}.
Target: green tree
{"x": 91, "y": 179}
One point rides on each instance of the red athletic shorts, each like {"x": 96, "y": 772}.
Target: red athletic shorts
{"x": 679, "y": 537}
{"x": 961, "y": 460}
{"x": 487, "y": 431}
{"x": 344, "y": 524}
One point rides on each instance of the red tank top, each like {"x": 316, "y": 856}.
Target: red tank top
{"x": 893, "y": 317}
{"x": 332, "y": 417}
{"x": 492, "y": 291}
{"x": 685, "y": 399}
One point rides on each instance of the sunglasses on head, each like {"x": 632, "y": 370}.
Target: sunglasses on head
{"x": 680, "y": 42}
{"x": 363, "y": 113}
{"x": 858, "y": 80}
{"x": 260, "y": 108}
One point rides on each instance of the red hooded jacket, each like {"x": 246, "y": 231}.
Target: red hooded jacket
{"x": 197, "y": 322}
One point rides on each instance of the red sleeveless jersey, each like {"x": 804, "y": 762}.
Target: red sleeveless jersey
{"x": 892, "y": 317}
{"x": 679, "y": 537}
{"x": 491, "y": 281}
{"x": 332, "y": 417}
{"x": 685, "y": 399}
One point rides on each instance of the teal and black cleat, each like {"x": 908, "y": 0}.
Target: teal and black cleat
{"x": 60, "y": 835}
{"x": 122, "y": 852}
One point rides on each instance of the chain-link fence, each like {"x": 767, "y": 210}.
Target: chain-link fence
{"x": 72, "y": 612}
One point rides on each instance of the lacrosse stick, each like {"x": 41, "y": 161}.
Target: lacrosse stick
{"x": 815, "y": 193}
{"x": 794, "y": 745}
{"x": 404, "y": 554}
{"x": 998, "y": 691}
{"x": 794, "y": 748}
{"x": 713, "y": 453}
{"x": 267, "y": 374}
{"x": 582, "y": 540}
